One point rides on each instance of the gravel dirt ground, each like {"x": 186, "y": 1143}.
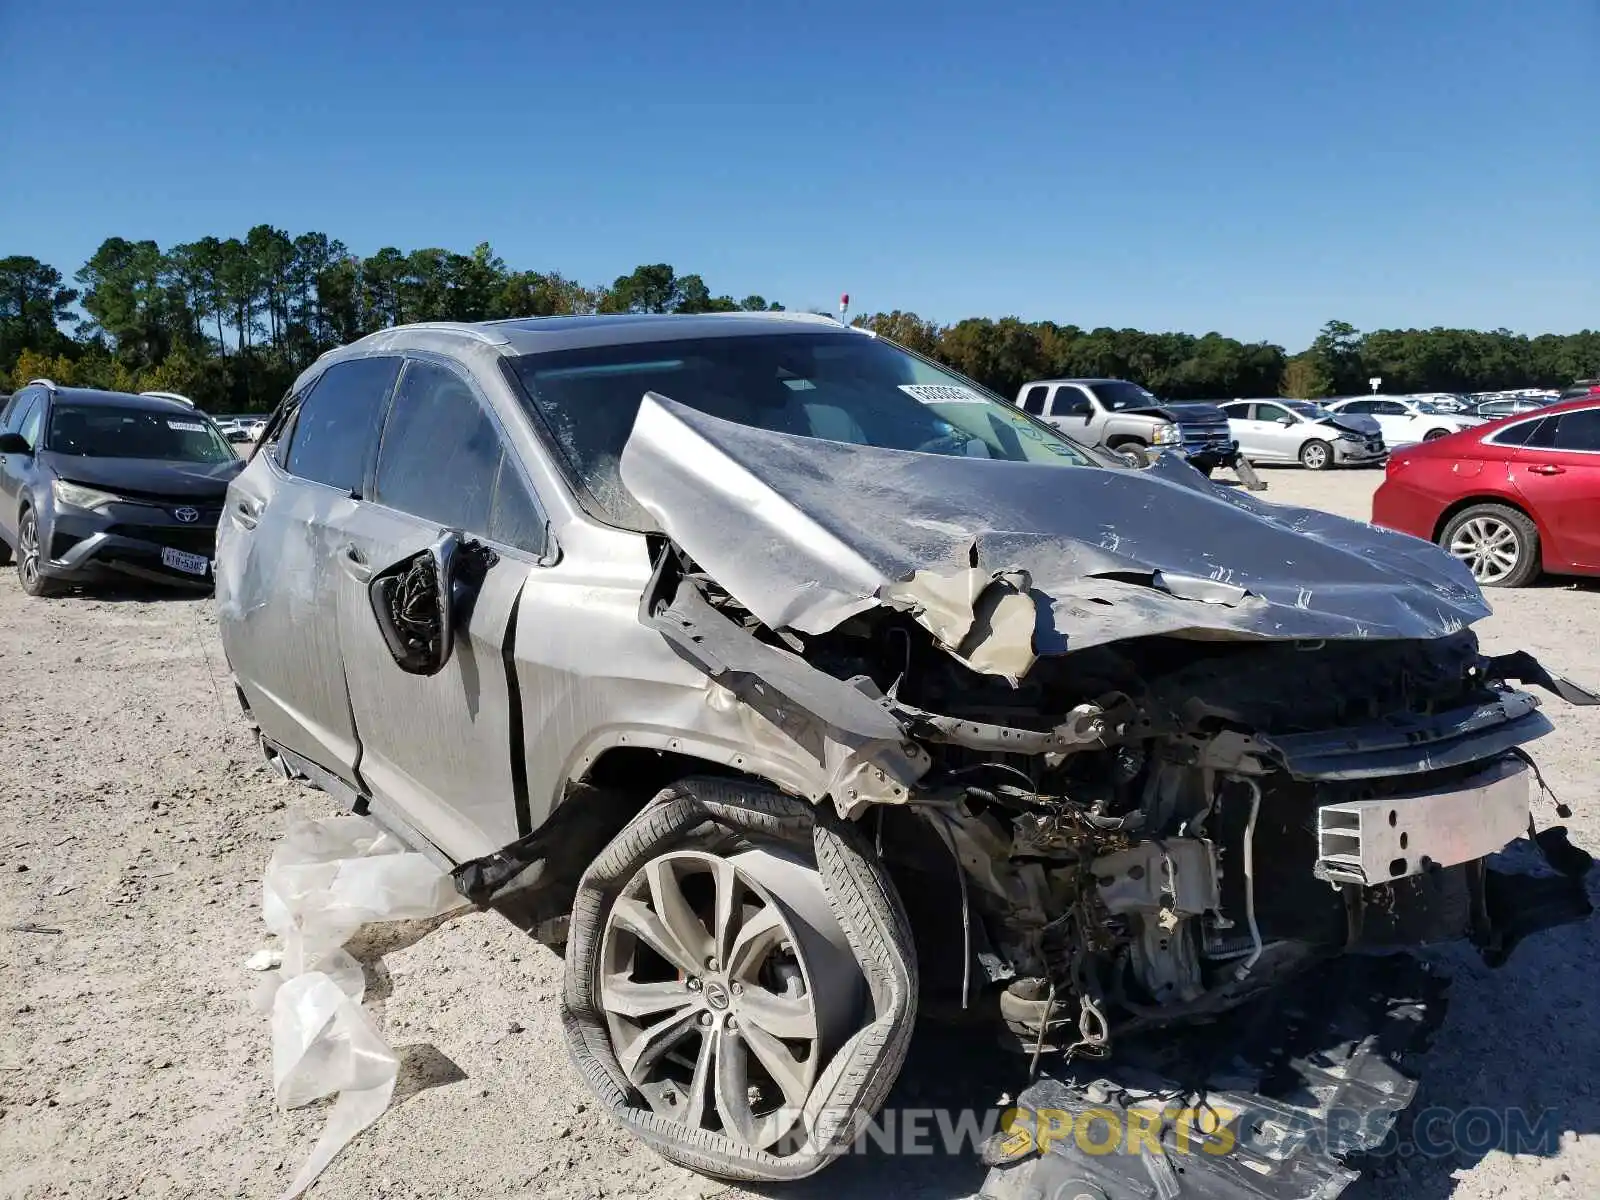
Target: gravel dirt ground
{"x": 135, "y": 821}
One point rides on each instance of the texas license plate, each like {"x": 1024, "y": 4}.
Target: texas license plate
{"x": 193, "y": 564}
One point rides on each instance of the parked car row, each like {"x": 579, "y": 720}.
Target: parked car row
{"x": 728, "y": 638}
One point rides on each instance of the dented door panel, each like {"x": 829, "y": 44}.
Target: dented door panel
{"x": 436, "y": 748}
{"x": 276, "y": 581}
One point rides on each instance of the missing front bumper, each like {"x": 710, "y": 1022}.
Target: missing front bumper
{"x": 1270, "y": 1102}
{"x": 1368, "y": 842}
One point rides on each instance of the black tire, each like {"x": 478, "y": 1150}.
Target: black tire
{"x": 1473, "y": 534}
{"x": 5, "y": 555}
{"x": 1316, "y": 455}
{"x": 1134, "y": 450}
{"x": 707, "y": 813}
{"x": 29, "y": 556}
{"x": 1433, "y": 435}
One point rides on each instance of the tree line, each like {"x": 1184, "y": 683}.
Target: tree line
{"x": 231, "y": 321}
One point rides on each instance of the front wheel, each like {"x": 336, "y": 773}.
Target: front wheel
{"x": 1134, "y": 451}
{"x": 1499, "y": 544}
{"x": 740, "y": 983}
{"x": 30, "y": 558}
{"x": 1316, "y": 455}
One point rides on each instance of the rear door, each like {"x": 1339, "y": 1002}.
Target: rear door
{"x": 279, "y": 555}
{"x": 16, "y": 467}
{"x": 438, "y": 750}
{"x": 1278, "y": 442}
{"x": 1561, "y": 479}
{"x": 1241, "y": 428}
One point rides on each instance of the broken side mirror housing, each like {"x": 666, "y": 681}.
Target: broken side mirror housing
{"x": 14, "y": 443}
{"x": 419, "y": 601}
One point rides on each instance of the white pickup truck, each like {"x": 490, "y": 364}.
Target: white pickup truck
{"x": 1124, "y": 417}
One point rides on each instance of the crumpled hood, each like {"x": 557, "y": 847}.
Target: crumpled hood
{"x": 148, "y": 476}
{"x": 1004, "y": 562}
{"x": 1190, "y": 411}
{"x": 1355, "y": 422}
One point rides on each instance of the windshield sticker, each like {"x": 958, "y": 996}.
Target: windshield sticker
{"x": 187, "y": 426}
{"x": 942, "y": 393}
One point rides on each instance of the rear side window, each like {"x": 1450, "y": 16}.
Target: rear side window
{"x": 1518, "y": 435}
{"x": 13, "y": 409}
{"x": 337, "y": 424}
{"x": 17, "y": 412}
{"x": 1033, "y": 401}
{"x": 33, "y": 422}
{"x": 442, "y": 459}
{"x": 1579, "y": 430}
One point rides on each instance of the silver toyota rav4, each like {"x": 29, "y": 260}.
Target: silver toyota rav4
{"x": 801, "y": 682}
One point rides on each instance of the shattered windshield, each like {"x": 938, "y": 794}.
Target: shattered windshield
{"x": 839, "y": 386}
{"x": 101, "y": 431}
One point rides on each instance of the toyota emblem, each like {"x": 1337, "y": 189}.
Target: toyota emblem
{"x": 186, "y": 514}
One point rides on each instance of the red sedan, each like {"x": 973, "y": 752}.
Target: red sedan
{"x": 1509, "y": 499}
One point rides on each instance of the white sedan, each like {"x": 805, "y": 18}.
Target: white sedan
{"x": 1405, "y": 421}
{"x": 1289, "y": 431}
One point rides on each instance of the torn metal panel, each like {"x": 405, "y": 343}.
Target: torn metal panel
{"x": 806, "y": 532}
{"x": 853, "y": 736}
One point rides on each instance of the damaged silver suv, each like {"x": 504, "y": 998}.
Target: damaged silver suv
{"x": 811, "y": 683}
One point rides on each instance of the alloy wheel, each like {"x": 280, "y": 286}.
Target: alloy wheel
{"x": 725, "y": 983}
{"x": 1314, "y": 455}
{"x": 28, "y": 550}
{"x": 1489, "y": 547}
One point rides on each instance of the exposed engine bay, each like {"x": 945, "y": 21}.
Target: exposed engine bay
{"x": 1166, "y": 791}
{"x": 1153, "y": 831}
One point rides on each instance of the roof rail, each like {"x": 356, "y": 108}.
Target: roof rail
{"x": 465, "y": 328}
{"x": 49, "y": 383}
{"x": 169, "y": 396}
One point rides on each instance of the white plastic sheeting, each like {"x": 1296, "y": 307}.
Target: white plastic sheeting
{"x": 325, "y": 880}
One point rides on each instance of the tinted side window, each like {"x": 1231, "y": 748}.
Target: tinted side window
{"x": 1578, "y": 430}
{"x": 1033, "y": 401}
{"x": 337, "y": 424}
{"x": 442, "y": 459}
{"x": 1389, "y": 408}
{"x": 1357, "y": 406}
{"x": 33, "y": 422}
{"x": 1271, "y": 412}
{"x": 1516, "y": 435}
{"x": 17, "y": 411}
{"x": 1069, "y": 402}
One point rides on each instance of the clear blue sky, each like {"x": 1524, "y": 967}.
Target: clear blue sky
{"x": 1250, "y": 166}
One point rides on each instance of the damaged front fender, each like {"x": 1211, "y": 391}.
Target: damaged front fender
{"x": 861, "y": 749}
